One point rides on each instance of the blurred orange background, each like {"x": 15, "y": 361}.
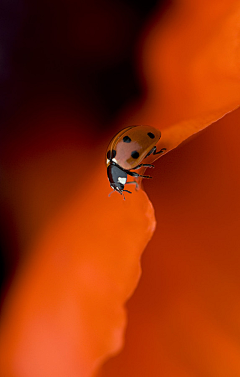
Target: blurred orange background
{"x": 183, "y": 319}
{"x": 73, "y": 74}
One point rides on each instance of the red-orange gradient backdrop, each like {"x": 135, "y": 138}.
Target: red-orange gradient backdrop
{"x": 183, "y": 319}
{"x": 74, "y": 250}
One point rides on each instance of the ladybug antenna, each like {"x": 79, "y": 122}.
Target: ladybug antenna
{"x": 111, "y": 193}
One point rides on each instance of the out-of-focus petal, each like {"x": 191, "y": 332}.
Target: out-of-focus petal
{"x": 191, "y": 59}
{"x": 64, "y": 314}
{"x": 184, "y": 315}
{"x": 65, "y": 310}
{"x": 190, "y": 66}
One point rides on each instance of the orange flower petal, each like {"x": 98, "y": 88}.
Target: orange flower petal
{"x": 190, "y": 66}
{"x": 184, "y": 317}
{"x": 192, "y": 59}
{"x": 65, "y": 311}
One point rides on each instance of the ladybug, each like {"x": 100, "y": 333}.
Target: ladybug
{"x": 126, "y": 152}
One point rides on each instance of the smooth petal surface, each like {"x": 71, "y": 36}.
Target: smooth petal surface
{"x": 190, "y": 67}
{"x": 184, "y": 315}
{"x": 191, "y": 59}
{"x": 65, "y": 310}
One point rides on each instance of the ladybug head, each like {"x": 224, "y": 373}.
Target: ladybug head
{"x": 117, "y": 178}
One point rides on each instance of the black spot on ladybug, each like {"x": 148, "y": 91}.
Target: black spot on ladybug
{"x": 151, "y": 135}
{"x": 111, "y": 154}
{"x": 127, "y": 139}
{"x": 135, "y": 154}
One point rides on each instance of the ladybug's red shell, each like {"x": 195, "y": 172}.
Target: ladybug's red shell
{"x": 132, "y": 144}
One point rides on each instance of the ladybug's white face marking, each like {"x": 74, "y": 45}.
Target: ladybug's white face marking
{"x": 122, "y": 180}
{"x": 108, "y": 160}
{"x": 114, "y": 160}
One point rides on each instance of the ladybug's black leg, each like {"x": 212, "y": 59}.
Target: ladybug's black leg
{"x": 133, "y": 174}
{"x": 143, "y": 165}
{"x": 123, "y": 193}
{"x": 127, "y": 183}
{"x": 153, "y": 151}
{"x": 127, "y": 190}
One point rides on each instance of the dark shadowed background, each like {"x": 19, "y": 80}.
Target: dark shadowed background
{"x": 74, "y": 55}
